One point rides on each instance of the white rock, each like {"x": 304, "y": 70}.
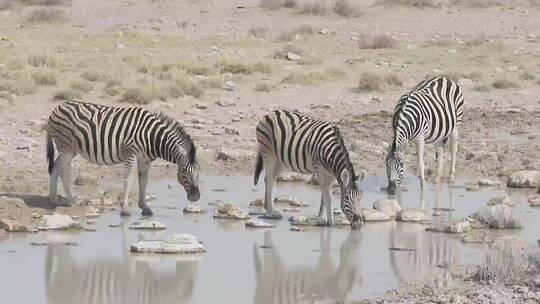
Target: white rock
{"x": 147, "y": 225}
{"x": 324, "y": 31}
{"x": 307, "y": 220}
{"x": 11, "y": 226}
{"x": 201, "y": 106}
{"x": 56, "y": 221}
{"x": 229, "y": 86}
{"x": 225, "y": 102}
{"x": 457, "y": 227}
{"x": 411, "y": 215}
{"x": 388, "y": 206}
{"x": 292, "y": 56}
{"x": 194, "y": 208}
{"x": 259, "y": 224}
{"x": 488, "y": 182}
{"x": 229, "y": 211}
{"x": 374, "y": 215}
{"x": 524, "y": 179}
{"x": 534, "y": 201}
{"x": 176, "y": 243}
{"x": 85, "y": 180}
{"x": 501, "y": 199}
{"x": 293, "y": 201}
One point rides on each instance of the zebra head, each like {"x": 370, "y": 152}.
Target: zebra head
{"x": 394, "y": 169}
{"x": 188, "y": 174}
{"x": 351, "y": 199}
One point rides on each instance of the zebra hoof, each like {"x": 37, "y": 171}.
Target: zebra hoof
{"x": 125, "y": 212}
{"x": 147, "y": 211}
{"x": 274, "y": 215}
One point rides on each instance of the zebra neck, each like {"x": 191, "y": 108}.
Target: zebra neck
{"x": 400, "y": 141}
{"x": 171, "y": 150}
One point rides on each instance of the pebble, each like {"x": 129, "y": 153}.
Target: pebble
{"x": 259, "y": 224}
{"x": 229, "y": 211}
{"x": 229, "y": 86}
{"x": 488, "y": 182}
{"x": 388, "y": 206}
{"x": 293, "y": 201}
{"x": 524, "y": 179}
{"x": 194, "y": 208}
{"x": 147, "y": 225}
{"x": 374, "y": 215}
{"x": 411, "y": 215}
{"x": 225, "y": 102}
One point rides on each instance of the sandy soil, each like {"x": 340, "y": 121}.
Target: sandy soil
{"x": 127, "y": 42}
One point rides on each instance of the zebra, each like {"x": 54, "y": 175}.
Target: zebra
{"x": 429, "y": 114}
{"x": 111, "y": 135}
{"x": 300, "y": 143}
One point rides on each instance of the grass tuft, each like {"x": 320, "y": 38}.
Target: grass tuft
{"x": 378, "y": 82}
{"x": 46, "y": 15}
{"x": 315, "y": 8}
{"x": 503, "y": 84}
{"x": 377, "y": 42}
{"x": 82, "y": 86}
{"x": 509, "y": 265}
{"x": 92, "y": 75}
{"x": 44, "y": 77}
{"x": 344, "y": 9}
{"x": 410, "y": 3}
{"x": 66, "y": 95}
{"x": 137, "y": 95}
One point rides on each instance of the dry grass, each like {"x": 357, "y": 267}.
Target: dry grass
{"x": 192, "y": 69}
{"x": 44, "y": 77}
{"x": 82, "y": 86}
{"x": 239, "y": 67}
{"x": 263, "y": 87}
{"x": 41, "y": 60}
{"x": 509, "y": 265}
{"x": 504, "y": 84}
{"x": 46, "y": 2}
{"x": 66, "y": 95}
{"x": 20, "y": 84}
{"x": 6, "y": 4}
{"x": 315, "y": 8}
{"x": 309, "y": 60}
{"x": 292, "y": 34}
{"x": 456, "y": 76}
{"x": 377, "y": 42}
{"x": 46, "y": 15}
{"x": 344, "y": 9}
{"x": 290, "y": 3}
{"x": 5, "y": 95}
{"x": 186, "y": 86}
{"x": 527, "y": 76}
{"x": 483, "y": 88}
{"x": 313, "y": 78}
{"x": 258, "y": 31}
{"x": 476, "y": 3}
{"x": 138, "y": 95}
{"x": 212, "y": 82}
{"x": 377, "y": 82}
{"x": 288, "y": 48}
{"x": 92, "y": 75}
{"x": 410, "y": 3}
{"x": 274, "y": 5}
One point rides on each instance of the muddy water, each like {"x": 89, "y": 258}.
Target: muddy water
{"x": 245, "y": 265}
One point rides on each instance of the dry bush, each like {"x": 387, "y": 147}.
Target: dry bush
{"x": 313, "y": 78}
{"x": 187, "y": 86}
{"x": 509, "y": 265}
{"x": 212, "y": 82}
{"x": 504, "y": 83}
{"x": 67, "y": 95}
{"x": 316, "y": 8}
{"x": 138, "y": 95}
{"x": 344, "y": 9}
{"x": 410, "y": 3}
{"x": 271, "y": 4}
{"x": 41, "y": 60}
{"x": 263, "y": 67}
{"x": 377, "y": 81}
{"x": 238, "y": 67}
{"x": 287, "y": 48}
{"x": 5, "y": 4}
{"x": 46, "y": 2}
{"x": 192, "y": 69}
{"x": 112, "y": 87}
{"x": 92, "y": 75}
{"x": 82, "y": 86}
{"x": 264, "y": 87}
{"x": 456, "y": 76}
{"x": 258, "y": 31}
{"x": 44, "y": 77}
{"x": 527, "y": 76}
{"x": 5, "y": 95}
{"x": 483, "y": 88}
{"x": 20, "y": 85}
{"x": 291, "y": 34}
{"x": 290, "y": 3}
{"x": 46, "y": 15}
{"x": 377, "y": 42}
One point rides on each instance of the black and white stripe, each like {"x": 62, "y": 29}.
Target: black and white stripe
{"x": 307, "y": 145}
{"x": 429, "y": 114}
{"x": 109, "y": 135}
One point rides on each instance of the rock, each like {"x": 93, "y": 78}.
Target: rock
{"x": 292, "y": 56}
{"x": 524, "y": 179}
{"x": 290, "y": 210}
{"x": 534, "y": 201}
{"x": 91, "y": 221}
{"x": 294, "y": 228}
{"x": 176, "y": 243}
{"x": 85, "y": 180}
{"x": 501, "y": 199}
{"x": 457, "y": 227}
{"x": 388, "y": 206}
{"x": 12, "y": 201}
{"x": 257, "y": 203}
{"x": 119, "y": 46}
{"x": 147, "y": 225}
{"x": 226, "y": 154}
{"x": 201, "y": 106}
{"x": 293, "y": 177}
{"x": 229, "y": 86}
{"x": 488, "y": 182}
{"x": 411, "y": 215}
{"x": 307, "y": 220}
{"x": 56, "y": 221}
{"x": 472, "y": 187}
{"x": 324, "y": 31}
{"x": 231, "y": 131}
{"x": 11, "y": 225}
{"x": 497, "y": 217}
{"x": 259, "y": 224}
{"x": 374, "y": 215}
{"x": 194, "y": 208}
{"x": 225, "y": 102}
{"x": 340, "y": 218}
{"x": 293, "y": 201}
{"x": 229, "y": 211}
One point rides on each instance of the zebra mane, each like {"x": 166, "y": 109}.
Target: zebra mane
{"x": 180, "y": 132}
{"x": 341, "y": 142}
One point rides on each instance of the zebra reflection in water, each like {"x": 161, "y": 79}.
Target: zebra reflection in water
{"x": 306, "y": 284}
{"x": 116, "y": 281}
{"x": 433, "y": 253}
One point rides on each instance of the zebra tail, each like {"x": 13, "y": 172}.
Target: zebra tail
{"x": 50, "y": 152}
{"x": 258, "y": 168}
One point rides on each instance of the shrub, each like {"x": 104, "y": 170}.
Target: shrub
{"x": 212, "y": 82}
{"x": 92, "y": 75}
{"x": 377, "y": 42}
{"x": 82, "y": 86}
{"x": 290, "y": 3}
{"x": 66, "y": 95}
{"x": 258, "y": 31}
{"x": 137, "y": 95}
{"x": 263, "y": 87}
{"x": 5, "y": 4}
{"x": 483, "y": 88}
{"x": 39, "y": 60}
{"x": 509, "y": 265}
{"x": 316, "y": 8}
{"x": 234, "y": 67}
{"x": 504, "y": 83}
{"x": 43, "y": 77}
{"x": 377, "y": 82}
{"x": 288, "y": 48}
{"x": 344, "y": 9}
{"x": 271, "y": 4}
{"x": 197, "y": 70}
{"x": 46, "y": 15}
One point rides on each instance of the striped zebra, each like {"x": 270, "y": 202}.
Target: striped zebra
{"x": 108, "y": 135}
{"x": 429, "y": 114}
{"x": 307, "y": 145}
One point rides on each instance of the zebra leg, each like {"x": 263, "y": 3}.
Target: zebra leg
{"x": 128, "y": 180}
{"x": 321, "y": 208}
{"x": 453, "y": 148}
{"x": 143, "y": 167}
{"x": 440, "y": 163}
{"x": 325, "y": 181}
{"x": 65, "y": 162}
{"x": 53, "y": 183}
{"x": 420, "y": 160}
{"x": 272, "y": 170}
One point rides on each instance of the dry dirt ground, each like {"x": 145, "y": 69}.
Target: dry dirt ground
{"x": 218, "y": 66}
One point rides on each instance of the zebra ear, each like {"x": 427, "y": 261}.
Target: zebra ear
{"x": 386, "y": 145}
{"x": 345, "y": 176}
{"x": 362, "y": 175}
